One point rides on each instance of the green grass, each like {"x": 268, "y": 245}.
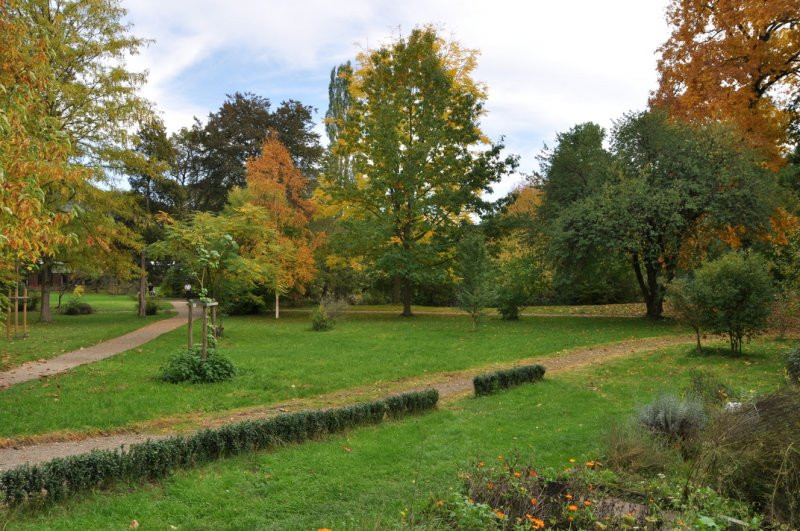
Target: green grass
{"x": 116, "y": 315}
{"x": 367, "y": 477}
{"x": 280, "y": 360}
{"x": 635, "y": 309}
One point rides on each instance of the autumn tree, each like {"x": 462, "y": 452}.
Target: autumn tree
{"x": 275, "y": 184}
{"x": 413, "y": 132}
{"x": 736, "y": 60}
{"x": 34, "y": 151}
{"x": 672, "y": 182}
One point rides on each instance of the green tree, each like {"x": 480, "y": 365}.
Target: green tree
{"x": 685, "y": 302}
{"x": 474, "y": 269}
{"x": 413, "y": 133}
{"x": 735, "y": 294}
{"x": 675, "y": 185}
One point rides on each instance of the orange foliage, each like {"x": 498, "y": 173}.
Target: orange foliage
{"x": 32, "y": 155}
{"x": 275, "y": 183}
{"x": 734, "y": 60}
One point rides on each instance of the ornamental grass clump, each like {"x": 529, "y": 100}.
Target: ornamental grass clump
{"x": 677, "y": 419}
{"x": 190, "y": 366}
{"x": 753, "y": 454}
{"x": 485, "y": 384}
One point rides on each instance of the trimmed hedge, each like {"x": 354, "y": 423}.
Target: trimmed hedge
{"x": 62, "y": 477}
{"x": 495, "y": 381}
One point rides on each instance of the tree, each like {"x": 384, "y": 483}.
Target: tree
{"x": 674, "y": 184}
{"x": 413, "y": 133}
{"x": 474, "y": 290}
{"x": 34, "y": 150}
{"x": 736, "y": 60}
{"x": 276, "y": 185}
{"x": 685, "y": 302}
{"x": 338, "y": 164}
{"x": 735, "y": 294}
{"x": 235, "y": 134}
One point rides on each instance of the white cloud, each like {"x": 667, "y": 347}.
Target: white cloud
{"x": 548, "y": 65}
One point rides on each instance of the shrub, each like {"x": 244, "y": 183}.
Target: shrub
{"x": 784, "y": 312}
{"x": 685, "y": 302}
{"x": 752, "y": 454}
{"x": 151, "y": 307}
{"x": 634, "y": 450}
{"x": 710, "y": 390}
{"x": 325, "y": 316}
{"x": 793, "y": 366}
{"x": 492, "y": 382}
{"x": 74, "y": 306}
{"x": 189, "y": 366}
{"x": 60, "y": 478}
{"x": 473, "y": 266}
{"x": 678, "y": 419}
{"x": 246, "y": 303}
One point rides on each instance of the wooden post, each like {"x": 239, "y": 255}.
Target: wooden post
{"x": 191, "y": 330}
{"x": 205, "y": 331}
{"x": 25, "y": 311}
{"x": 277, "y": 304}
{"x": 214, "y": 321}
{"x": 16, "y": 309}
{"x": 8, "y": 317}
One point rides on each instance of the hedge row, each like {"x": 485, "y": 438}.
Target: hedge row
{"x": 495, "y": 381}
{"x": 62, "y": 477}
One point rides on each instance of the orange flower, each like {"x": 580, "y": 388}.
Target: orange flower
{"x": 572, "y": 460}
{"x": 439, "y": 503}
{"x": 590, "y": 464}
{"x": 534, "y": 501}
{"x": 499, "y": 513}
{"x": 587, "y": 503}
{"x": 573, "y": 507}
{"x": 531, "y": 473}
{"x": 490, "y": 486}
{"x": 570, "y": 518}
{"x": 537, "y": 523}
{"x": 480, "y": 465}
{"x": 500, "y": 457}
{"x": 323, "y": 529}
{"x": 569, "y": 496}
{"x": 517, "y": 475}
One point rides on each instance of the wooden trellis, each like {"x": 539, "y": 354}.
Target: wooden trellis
{"x": 205, "y": 305}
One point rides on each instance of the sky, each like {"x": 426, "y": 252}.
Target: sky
{"x": 548, "y": 65}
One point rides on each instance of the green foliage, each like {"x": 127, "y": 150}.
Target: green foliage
{"x": 244, "y": 303}
{"x": 793, "y": 365}
{"x": 677, "y": 419}
{"x": 685, "y": 301}
{"x": 632, "y": 449}
{"x": 61, "y": 478}
{"x": 190, "y": 366}
{"x": 709, "y": 389}
{"x": 325, "y": 316}
{"x": 474, "y": 291}
{"x": 735, "y": 296}
{"x": 751, "y": 454}
{"x": 493, "y": 382}
{"x": 75, "y": 306}
{"x": 151, "y": 306}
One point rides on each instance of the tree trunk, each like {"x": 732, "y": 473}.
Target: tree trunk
{"x": 44, "y": 312}
{"x": 699, "y": 345}
{"x": 277, "y": 304}
{"x": 397, "y": 290}
{"x": 142, "y": 286}
{"x": 406, "y": 297}
{"x": 651, "y": 291}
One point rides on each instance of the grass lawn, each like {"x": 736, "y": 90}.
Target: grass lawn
{"x": 365, "y": 478}
{"x": 634, "y": 309}
{"x": 279, "y": 360}
{"x": 115, "y": 315}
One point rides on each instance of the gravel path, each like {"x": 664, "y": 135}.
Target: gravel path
{"x": 37, "y": 369}
{"x": 450, "y": 385}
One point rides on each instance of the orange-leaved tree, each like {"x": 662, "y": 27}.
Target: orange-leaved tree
{"x": 734, "y": 60}
{"x": 33, "y": 151}
{"x": 277, "y": 185}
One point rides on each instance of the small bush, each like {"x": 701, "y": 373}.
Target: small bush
{"x": 633, "y": 450}
{"x": 74, "y": 306}
{"x": 793, "y": 366}
{"x": 189, "y": 366}
{"x": 151, "y": 307}
{"x": 60, "y": 478}
{"x": 752, "y": 455}
{"x": 325, "y": 316}
{"x": 678, "y": 419}
{"x": 246, "y": 303}
{"x": 710, "y": 390}
{"x": 491, "y": 383}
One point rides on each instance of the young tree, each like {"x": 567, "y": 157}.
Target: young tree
{"x": 276, "y": 185}
{"x": 735, "y": 293}
{"x": 674, "y": 183}
{"x": 685, "y": 302}
{"x": 474, "y": 290}
{"x": 413, "y": 133}
{"x": 735, "y": 60}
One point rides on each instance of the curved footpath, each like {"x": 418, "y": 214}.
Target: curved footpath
{"x": 37, "y": 369}
{"x": 450, "y": 385}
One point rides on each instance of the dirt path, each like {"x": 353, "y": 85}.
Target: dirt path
{"x": 105, "y": 349}
{"x": 451, "y": 385}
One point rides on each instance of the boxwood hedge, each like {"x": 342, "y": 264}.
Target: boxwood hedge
{"x": 495, "y": 381}
{"x": 62, "y": 477}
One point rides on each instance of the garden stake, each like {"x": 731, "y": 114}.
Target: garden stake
{"x": 191, "y": 306}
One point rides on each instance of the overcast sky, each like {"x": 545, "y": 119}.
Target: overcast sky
{"x": 548, "y": 65}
